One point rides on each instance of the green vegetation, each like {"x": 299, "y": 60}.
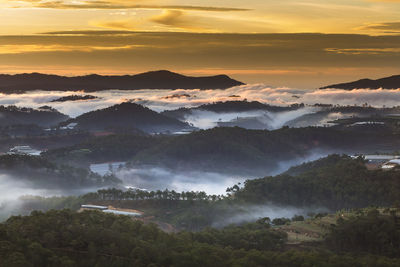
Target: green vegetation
{"x": 254, "y": 152}
{"x": 367, "y": 231}
{"x": 334, "y": 182}
{"x": 229, "y": 106}
{"x": 91, "y": 238}
{"x": 127, "y": 115}
{"x": 44, "y": 116}
{"x": 231, "y": 150}
{"x": 42, "y": 173}
{"x": 102, "y": 149}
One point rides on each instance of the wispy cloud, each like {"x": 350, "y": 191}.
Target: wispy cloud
{"x": 360, "y": 51}
{"x": 178, "y": 19}
{"x": 91, "y": 32}
{"x": 33, "y": 48}
{"x": 123, "y": 24}
{"x": 385, "y": 27}
{"x": 123, "y": 5}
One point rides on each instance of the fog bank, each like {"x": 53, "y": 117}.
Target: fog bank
{"x": 160, "y": 100}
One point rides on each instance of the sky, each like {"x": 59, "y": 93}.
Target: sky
{"x": 300, "y": 44}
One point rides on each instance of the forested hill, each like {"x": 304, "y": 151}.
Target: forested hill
{"x": 230, "y": 106}
{"x": 44, "y": 116}
{"x": 92, "y": 238}
{"x": 335, "y": 182}
{"x": 392, "y": 82}
{"x": 241, "y": 106}
{"x": 238, "y": 150}
{"x": 41, "y": 173}
{"x": 228, "y": 150}
{"x": 150, "y": 80}
{"x": 128, "y": 115}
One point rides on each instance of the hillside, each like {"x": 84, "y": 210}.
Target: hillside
{"x": 229, "y": 150}
{"x": 237, "y": 150}
{"x": 230, "y": 107}
{"x": 150, "y": 80}
{"x": 336, "y": 182}
{"x": 127, "y": 115}
{"x": 44, "y": 116}
{"x": 392, "y": 82}
{"x": 110, "y": 148}
{"x": 38, "y": 172}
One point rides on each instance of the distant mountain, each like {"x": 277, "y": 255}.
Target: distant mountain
{"x": 392, "y": 82}
{"x": 229, "y": 107}
{"x": 127, "y": 115}
{"x": 44, "y": 116}
{"x": 150, "y": 80}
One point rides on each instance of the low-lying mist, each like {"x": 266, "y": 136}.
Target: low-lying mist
{"x": 159, "y": 178}
{"x": 251, "y": 213}
{"x": 160, "y": 100}
{"x": 257, "y": 119}
{"x": 12, "y": 189}
{"x": 154, "y": 178}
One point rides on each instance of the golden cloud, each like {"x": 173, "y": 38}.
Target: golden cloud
{"x": 387, "y": 27}
{"x": 122, "y": 5}
{"x": 179, "y": 19}
{"x": 359, "y": 51}
{"x": 125, "y": 24}
{"x": 33, "y": 48}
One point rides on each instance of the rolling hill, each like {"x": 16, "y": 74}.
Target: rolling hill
{"x": 127, "y": 115}
{"x": 44, "y": 116}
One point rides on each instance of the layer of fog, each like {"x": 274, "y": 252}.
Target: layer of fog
{"x": 12, "y": 189}
{"x": 251, "y": 213}
{"x": 257, "y": 119}
{"x": 154, "y": 178}
{"x": 160, "y": 100}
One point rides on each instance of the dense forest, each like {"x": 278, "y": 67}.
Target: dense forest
{"x": 91, "y": 238}
{"x": 44, "y": 116}
{"x": 41, "y": 173}
{"x": 334, "y": 182}
{"x": 127, "y": 115}
{"x": 230, "y": 107}
{"x": 236, "y": 150}
{"x": 119, "y": 147}
{"x": 331, "y": 183}
{"x": 230, "y": 150}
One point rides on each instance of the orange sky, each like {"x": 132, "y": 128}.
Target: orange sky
{"x": 255, "y": 40}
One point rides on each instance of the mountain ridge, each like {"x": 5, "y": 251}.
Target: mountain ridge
{"x": 391, "y": 82}
{"x": 161, "y": 79}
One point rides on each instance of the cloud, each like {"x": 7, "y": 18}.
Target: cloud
{"x": 123, "y": 5}
{"x": 296, "y": 60}
{"x": 177, "y": 19}
{"x": 124, "y": 24}
{"x": 31, "y": 48}
{"x": 359, "y": 51}
{"x": 90, "y": 32}
{"x": 155, "y": 99}
{"x": 385, "y": 1}
{"x": 386, "y": 27}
